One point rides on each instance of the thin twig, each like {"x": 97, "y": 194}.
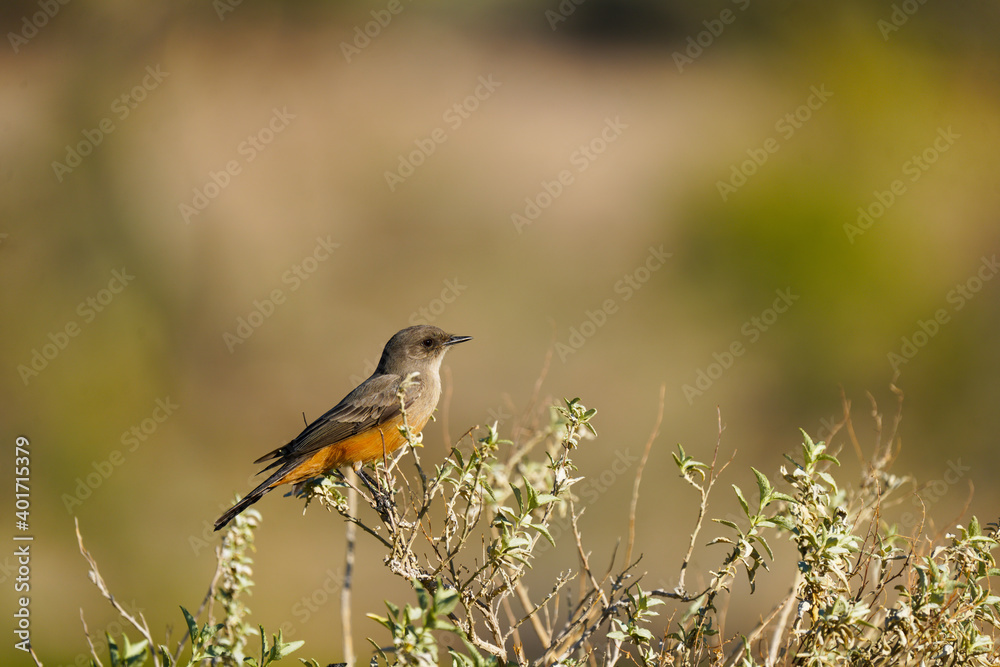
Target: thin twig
{"x": 90, "y": 643}
{"x": 638, "y": 475}
{"x": 205, "y": 601}
{"x": 779, "y": 631}
{"x": 536, "y": 623}
{"x": 752, "y": 636}
{"x": 98, "y": 580}
{"x": 713, "y": 476}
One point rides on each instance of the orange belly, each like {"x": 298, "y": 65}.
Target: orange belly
{"x": 364, "y": 448}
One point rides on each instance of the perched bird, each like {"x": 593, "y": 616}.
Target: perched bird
{"x": 364, "y": 425}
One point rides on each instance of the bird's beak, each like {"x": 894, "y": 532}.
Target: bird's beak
{"x": 455, "y": 340}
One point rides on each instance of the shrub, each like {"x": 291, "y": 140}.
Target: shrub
{"x": 464, "y": 532}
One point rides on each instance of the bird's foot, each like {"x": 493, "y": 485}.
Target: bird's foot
{"x": 381, "y": 498}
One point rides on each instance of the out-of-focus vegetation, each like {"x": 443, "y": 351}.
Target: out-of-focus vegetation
{"x": 213, "y": 219}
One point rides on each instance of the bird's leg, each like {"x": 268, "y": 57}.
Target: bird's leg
{"x": 379, "y": 495}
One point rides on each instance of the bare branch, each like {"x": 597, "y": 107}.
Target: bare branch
{"x": 95, "y": 576}
{"x": 638, "y": 475}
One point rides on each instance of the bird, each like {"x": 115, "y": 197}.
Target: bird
{"x": 363, "y": 426}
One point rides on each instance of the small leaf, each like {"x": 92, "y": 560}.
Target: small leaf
{"x": 423, "y": 599}
{"x": 779, "y": 521}
{"x": 544, "y": 532}
{"x": 290, "y": 647}
{"x": 642, "y": 634}
{"x": 764, "y": 544}
{"x": 726, "y": 522}
{"x": 828, "y": 457}
{"x": 743, "y": 501}
{"x": 445, "y": 601}
{"x": 763, "y": 487}
{"x": 191, "y": 623}
{"x": 517, "y": 496}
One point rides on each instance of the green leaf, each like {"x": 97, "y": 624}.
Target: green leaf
{"x": 423, "y": 599}
{"x": 764, "y": 544}
{"x": 779, "y": 521}
{"x": 743, "y": 501}
{"x": 378, "y": 649}
{"x": 726, "y": 522}
{"x": 191, "y": 623}
{"x": 828, "y": 457}
{"x": 113, "y": 650}
{"x": 517, "y": 496}
{"x": 679, "y": 459}
{"x": 544, "y": 531}
{"x": 290, "y": 647}
{"x": 642, "y": 634}
{"x": 445, "y": 600}
{"x": 135, "y": 651}
{"x": 459, "y": 660}
{"x": 763, "y": 487}
{"x": 546, "y": 498}
{"x": 529, "y": 491}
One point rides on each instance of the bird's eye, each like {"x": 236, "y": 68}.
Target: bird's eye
{"x": 428, "y": 343}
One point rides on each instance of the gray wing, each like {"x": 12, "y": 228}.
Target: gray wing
{"x": 371, "y": 403}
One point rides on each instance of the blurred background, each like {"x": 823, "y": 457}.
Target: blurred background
{"x": 213, "y": 216}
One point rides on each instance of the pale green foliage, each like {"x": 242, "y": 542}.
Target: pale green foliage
{"x": 221, "y": 643}
{"x": 464, "y": 535}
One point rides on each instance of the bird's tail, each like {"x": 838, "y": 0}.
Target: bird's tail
{"x": 246, "y": 502}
